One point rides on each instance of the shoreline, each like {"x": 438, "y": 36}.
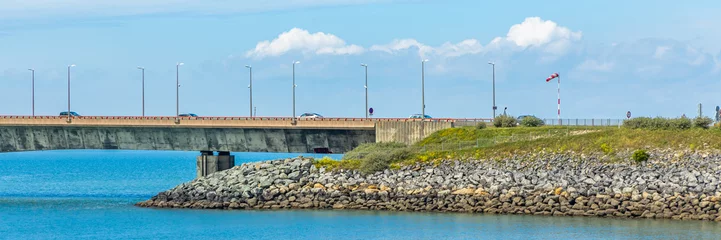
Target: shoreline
{"x": 671, "y": 185}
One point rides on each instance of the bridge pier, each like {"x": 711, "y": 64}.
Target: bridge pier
{"x": 207, "y": 163}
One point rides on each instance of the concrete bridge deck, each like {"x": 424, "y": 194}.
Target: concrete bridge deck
{"x": 209, "y": 134}
{"x": 213, "y": 122}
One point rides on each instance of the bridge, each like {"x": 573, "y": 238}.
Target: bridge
{"x": 211, "y": 134}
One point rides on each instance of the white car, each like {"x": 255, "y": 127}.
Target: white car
{"x": 419, "y": 116}
{"x": 310, "y": 115}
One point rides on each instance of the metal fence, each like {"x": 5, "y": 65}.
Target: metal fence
{"x": 599, "y": 122}
{"x": 584, "y": 122}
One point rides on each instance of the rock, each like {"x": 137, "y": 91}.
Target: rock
{"x": 443, "y": 193}
{"x": 559, "y": 185}
{"x": 295, "y": 175}
{"x": 465, "y": 191}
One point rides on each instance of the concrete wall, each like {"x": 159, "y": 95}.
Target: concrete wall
{"x": 31, "y": 138}
{"x": 407, "y": 132}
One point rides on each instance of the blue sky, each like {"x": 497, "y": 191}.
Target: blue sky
{"x": 654, "y": 58}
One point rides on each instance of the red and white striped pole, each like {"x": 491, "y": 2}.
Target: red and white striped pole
{"x": 556, "y": 75}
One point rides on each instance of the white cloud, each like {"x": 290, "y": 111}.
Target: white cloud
{"x": 301, "y": 40}
{"x": 468, "y": 46}
{"x": 402, "y": 44}
{"x": 532, "y": 32}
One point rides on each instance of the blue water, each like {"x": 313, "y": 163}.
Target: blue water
{"x": 90, "y": 195}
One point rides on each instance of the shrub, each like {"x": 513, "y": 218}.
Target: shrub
{"x": 658, "y": 123}
{"x": 481, "y": 125}
{"x": 606, "y": 149}
{"x": 640, "y": 156}
{"x": 326, "y": 162}
{"x": 379, "y": 161}
{"x": 702, "y": 122}
{"x": 532, "y": 121}
{"x": 504, "y": 121}
{"x": 373, "y": 157}
{"x": 680, "y": 123}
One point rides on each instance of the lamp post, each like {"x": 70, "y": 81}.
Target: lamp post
{"x": 494, "y": 88}
{"x": 33, "y": 90}
{"x": 250, "y": 68}
{"x": 294, "y": 63}
{"x": 177, "y": 88}
{"x": 366, "y": 87}
{"x": 71, "y": 65}
{"x": 142, "y": 69}
{"x": 423, "y": 88}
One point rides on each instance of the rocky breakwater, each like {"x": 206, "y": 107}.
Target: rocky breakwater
{"x": 667, "y": 186}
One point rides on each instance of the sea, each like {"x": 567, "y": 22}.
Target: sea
{"x": 89, "y": 194}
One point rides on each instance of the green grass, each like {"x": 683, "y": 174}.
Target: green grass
{"x": 473, "y": 134}
{"x": 580, "y": 140}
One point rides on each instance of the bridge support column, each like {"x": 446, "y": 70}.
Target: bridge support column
{"x": 207, "y": 163}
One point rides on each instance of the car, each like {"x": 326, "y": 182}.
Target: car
{"x": 419, "y": 116}
{"x": 187, "y": 115}
{"x": 521, "y": 117}
{"x": 72, "y": 114}
{"x": 310, "y": 115}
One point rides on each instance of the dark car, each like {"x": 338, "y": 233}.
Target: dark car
{"x": 187, "y": 115}
{"x": 72, "y": 114}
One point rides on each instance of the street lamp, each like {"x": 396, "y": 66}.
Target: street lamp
{"x": 494, "y": 88}
{"x": 250, "y": 68}
{"x": 294, "y": 63}
{"x": 423, "y": 88}
{"x": 33, "y": 89}
{"x": 71, "y": 65}
{"x": 366, "y": 87}
{"x": 142, "y": 69}
{"x": 177, "y": 88}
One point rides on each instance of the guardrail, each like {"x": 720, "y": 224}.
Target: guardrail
{"x": 331, "y": 119}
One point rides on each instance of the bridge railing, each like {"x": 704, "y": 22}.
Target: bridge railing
{"x": 327, "y": 119}
{"x": 597, "y": 122}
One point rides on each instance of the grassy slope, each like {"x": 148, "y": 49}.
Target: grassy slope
{"x": 607, "y": 140}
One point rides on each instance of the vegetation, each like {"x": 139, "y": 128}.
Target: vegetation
{"x": 658, "y": 123}
{"x": 531, "y": 121}
{"x": 481, "y": 125}
{"x": 369, "y": 158}
{"x": 646, "y": 133}
{"x": 504, "y": 121}
{"x": 640, "y": 156}
{"x": 702, "y": 122}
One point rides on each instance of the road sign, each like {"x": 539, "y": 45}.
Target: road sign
{"x": 370, "y": 110}
{"x": 628, "y": 114}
